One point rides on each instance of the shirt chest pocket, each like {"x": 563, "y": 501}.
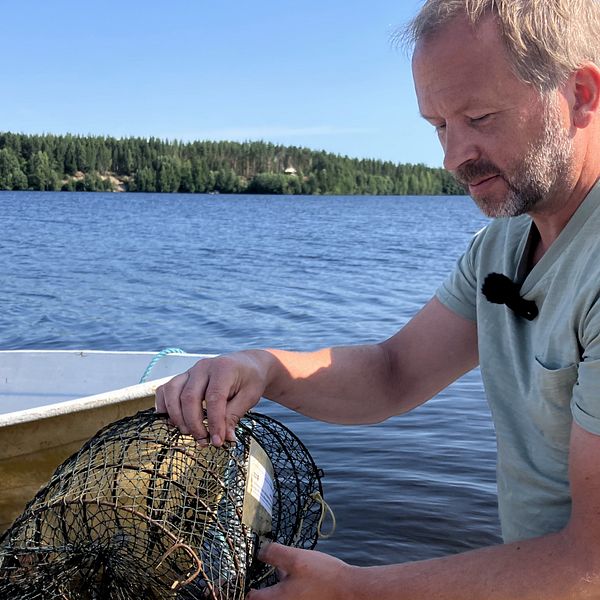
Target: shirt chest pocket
{"x": 550, "y": 402}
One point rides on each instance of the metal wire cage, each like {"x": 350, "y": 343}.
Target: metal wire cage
{"x": 144, "y": 511}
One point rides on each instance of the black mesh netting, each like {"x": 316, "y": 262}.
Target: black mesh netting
{"x": 143, "y": 511}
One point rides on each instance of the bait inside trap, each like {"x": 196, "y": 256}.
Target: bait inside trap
{"x": 144, "y": 511}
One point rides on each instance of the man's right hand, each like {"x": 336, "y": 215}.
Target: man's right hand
{"x": 220, "y": 389}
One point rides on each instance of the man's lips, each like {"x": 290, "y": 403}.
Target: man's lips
{"x": 477, "y": 182}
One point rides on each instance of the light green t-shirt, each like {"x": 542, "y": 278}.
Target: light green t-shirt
{"x": 538, "y": 375}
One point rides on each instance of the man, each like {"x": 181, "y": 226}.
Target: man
{"x": 513, "y": 90}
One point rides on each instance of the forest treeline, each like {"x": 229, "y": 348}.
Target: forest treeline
{"x": 98, "y": 163}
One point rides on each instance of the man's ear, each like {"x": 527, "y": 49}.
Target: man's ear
{"x": 587, "y": 95}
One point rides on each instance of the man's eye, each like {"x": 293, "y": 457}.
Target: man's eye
{"x": 480, "y": 119}
{"x": 440, "y": 127}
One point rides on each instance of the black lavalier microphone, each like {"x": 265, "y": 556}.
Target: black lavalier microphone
{"x": 499, "y": 289}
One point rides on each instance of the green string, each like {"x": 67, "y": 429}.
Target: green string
{"x": 157, "y": 358}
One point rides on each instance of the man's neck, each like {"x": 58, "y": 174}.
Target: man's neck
{"x": 553, "y": 217}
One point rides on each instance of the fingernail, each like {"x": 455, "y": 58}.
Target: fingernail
{"x": 216, "y": 440}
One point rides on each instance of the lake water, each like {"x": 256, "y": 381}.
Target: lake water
{"x": 218, "y": 273}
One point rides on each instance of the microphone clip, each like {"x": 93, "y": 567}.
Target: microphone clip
{"x": 500, "y": 289}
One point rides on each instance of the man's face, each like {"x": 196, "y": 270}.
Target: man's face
{"x": 501, "y": 140}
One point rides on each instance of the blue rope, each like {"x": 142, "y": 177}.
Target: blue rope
{"x": 157, "y": 358}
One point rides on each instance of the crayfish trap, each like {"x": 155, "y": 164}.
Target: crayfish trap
{"x": 144, "y": 511}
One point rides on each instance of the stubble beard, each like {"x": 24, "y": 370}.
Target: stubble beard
{"x": 535, "y": 179}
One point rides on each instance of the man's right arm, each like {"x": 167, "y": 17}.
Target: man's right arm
{"x": 353, "y": 384}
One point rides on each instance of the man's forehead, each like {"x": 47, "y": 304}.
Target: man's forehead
{"x": 462, "y": 30}
{"x": 466, "y": 67}
{"x": 463, "y": 48}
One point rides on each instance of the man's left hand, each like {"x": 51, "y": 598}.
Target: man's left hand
{"x": 305, "y": 575}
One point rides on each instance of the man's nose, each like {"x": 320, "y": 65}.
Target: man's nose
{"x": 459, "y": 147}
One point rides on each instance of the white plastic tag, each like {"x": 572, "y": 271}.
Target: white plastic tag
{"x": 260, "y": 488}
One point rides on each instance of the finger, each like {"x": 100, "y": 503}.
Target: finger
{"x": 217, "y": 394}
{"x": 230, "y": 434}
{"x": 274, "y": 592}
{"x": 191, "y": 397}
{"x": 282, "y": 557}
{"x": 168, "y": 399}
{"x": 159, "y": 401}
{"x": 236, "y": 408}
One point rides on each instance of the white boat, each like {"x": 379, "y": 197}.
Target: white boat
{"x": 51, "y": 402}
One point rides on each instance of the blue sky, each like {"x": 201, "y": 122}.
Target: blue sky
{"x": 320, "y": 74}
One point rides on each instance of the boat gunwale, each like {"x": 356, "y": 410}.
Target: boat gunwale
{"x": 90, "y": 402}
{"x": 133, "y": 392}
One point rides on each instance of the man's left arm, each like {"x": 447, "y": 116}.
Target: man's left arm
{"x": 559, "y": 566}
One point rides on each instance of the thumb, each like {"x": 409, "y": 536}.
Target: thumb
{"x": 237, "y": 407}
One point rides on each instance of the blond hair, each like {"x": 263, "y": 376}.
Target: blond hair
{"x": 546, "y": 40}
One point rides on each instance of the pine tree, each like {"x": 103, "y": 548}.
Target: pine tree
{"x": 41, "y": 175}
{"x": 11, "y": 175}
